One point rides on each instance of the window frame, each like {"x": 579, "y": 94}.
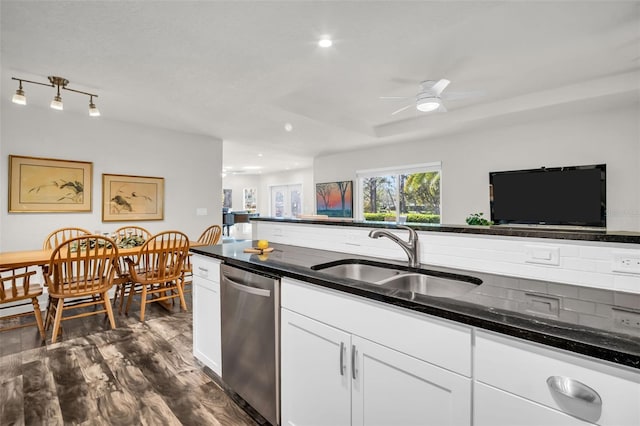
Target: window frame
{"x": 435, "y": 166}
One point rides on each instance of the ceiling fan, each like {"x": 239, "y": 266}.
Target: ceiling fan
{"x": 430, "y": 96}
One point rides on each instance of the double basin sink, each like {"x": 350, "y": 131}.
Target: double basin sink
{"x": 424, "y": 282}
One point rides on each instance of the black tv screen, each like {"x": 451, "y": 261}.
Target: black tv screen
{"x": 563, "y": 196}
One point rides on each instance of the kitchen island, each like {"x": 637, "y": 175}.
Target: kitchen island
{"x": 496, "y": 319}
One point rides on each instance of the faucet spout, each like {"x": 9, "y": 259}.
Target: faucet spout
{"x": 410, "y": 247}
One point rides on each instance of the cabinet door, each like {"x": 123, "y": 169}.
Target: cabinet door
{"x": 206, "y": 323}
{"x": 494, "y": 407}
{"x": 392, "y": 388}
{"x": 315, "y": 375}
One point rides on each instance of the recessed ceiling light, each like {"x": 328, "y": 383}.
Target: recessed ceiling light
{"x": 288, "y": 127}
{"x": 325, "y": 42}
{"x": 260, "y": 154}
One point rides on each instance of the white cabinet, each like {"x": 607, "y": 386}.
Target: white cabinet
{"x": 206, "y": 312}
{"x": 315, "y": 383}
{"x": 350, "y": 361}
{"x": 521, "y": 383}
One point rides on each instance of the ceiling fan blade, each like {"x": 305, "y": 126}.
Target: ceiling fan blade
{"x": 401, "y": 109}
{"x": 440, "y": 86}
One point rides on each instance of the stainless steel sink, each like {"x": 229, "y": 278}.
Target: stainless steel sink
{"x": 359, "y": 271}
{"x": 428, "y": 285}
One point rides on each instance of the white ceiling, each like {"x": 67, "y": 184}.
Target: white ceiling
{"x": 240, "y": 70}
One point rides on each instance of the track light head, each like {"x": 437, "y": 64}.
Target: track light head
{"x": 19, "y": 97}
{"x": 93, "y": 110}
{"x": 56, "y": 103}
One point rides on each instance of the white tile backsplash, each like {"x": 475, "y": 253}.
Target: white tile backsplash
{"x": 585, "y": 263}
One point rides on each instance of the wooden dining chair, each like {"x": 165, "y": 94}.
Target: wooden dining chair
{"x": 81, "y": 270}
{"x": 61, "y": 235}
{"x": 159, "y": 270}
{"x": 123, "y": 280}
{"x": 211, "y": 235}
{"x": 16, "y": 286}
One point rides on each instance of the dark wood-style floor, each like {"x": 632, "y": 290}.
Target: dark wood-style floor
{"x": 136, "y": 374}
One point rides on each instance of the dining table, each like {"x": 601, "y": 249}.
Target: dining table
{"x": 21, "y": 258}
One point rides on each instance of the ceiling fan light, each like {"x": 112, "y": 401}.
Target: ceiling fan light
{"x": 428, "y": 104}
{"x": 19, "y": 98}
{"x": 56, "y": 103}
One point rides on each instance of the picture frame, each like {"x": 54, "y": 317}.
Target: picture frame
{"x": 132, "y": 198}
{"x": 49, "y": 185}
{"x": 249, "y": 198}
{"x": 227, "y": 198}
{"x": 335, "y": 199}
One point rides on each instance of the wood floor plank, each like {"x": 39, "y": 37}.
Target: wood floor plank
{"x": 11, "y": 402}
{"x": 136, "y": 374}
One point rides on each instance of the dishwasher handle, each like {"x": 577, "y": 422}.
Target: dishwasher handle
{"x": 246, "y": 288}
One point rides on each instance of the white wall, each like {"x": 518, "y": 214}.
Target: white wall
{"x": 611, "y": 137}
{"x": 190, "y": 164}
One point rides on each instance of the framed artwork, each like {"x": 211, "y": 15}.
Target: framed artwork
{"x": 249, "y": 198}
{"x": 129, "y": 198}
{"x": 335, "y": 199}
{"x": 226, "y": 198}
{"x": 49, "y": 185}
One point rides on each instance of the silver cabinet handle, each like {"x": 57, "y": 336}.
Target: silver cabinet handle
{"x": 203, "y": 269}
{"x": 575, "y": 397}
{"x": 353, "y": 361}
{"x": 342, "y": 366}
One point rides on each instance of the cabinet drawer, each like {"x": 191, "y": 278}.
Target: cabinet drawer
{"x": 524, "y": 369}
{"x": 439, "y": 342}
{"x": 206, "y": 267}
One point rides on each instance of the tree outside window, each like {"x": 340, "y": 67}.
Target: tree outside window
{"x": 402, "y": 197}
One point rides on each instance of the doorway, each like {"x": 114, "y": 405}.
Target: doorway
{"x": 286, "y": 200}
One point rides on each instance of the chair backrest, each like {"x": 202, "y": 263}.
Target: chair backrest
{"x": 161, "y": 258}
{"x": 14, "y": 283}
{"x": 127, "y": 231}
{"x": 61, "y": 235}
{"x": 211, "y": 235}
{"x": 82, "y": 266}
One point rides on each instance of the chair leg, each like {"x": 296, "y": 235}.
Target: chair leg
{"x": 38, "y": 315}
{"x": 51, "y": 308}
{"x": 183, "y": 304}
{"x": 132, "y": 289}
{"x": 143, "y": 302}
{"x": 56, "y": 322}
{"x": 107, "y": 306}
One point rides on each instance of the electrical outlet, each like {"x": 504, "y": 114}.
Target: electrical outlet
{"x": 626, "y": 319}
{"x": 626, "y": 262}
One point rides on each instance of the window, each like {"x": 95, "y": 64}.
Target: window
{"x": 403, "y": 194}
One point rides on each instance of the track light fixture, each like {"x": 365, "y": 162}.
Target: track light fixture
{"x": 59, "y": 83}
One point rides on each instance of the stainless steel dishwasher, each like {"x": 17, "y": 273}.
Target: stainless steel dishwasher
{"x": 250, "y": 311}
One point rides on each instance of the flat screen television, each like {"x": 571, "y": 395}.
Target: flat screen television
{"x": 572, "y": 196}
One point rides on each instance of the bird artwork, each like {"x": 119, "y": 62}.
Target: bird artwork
{"x": 72, "y": 191}
{"x": 120, "y": 204}
{"x": 130, "y": 198}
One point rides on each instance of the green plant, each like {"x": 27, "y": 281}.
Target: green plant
{"x": 477, "y": 219}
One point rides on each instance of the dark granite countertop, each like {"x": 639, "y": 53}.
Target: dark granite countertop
{"x": 578, "y": 319}
{"x": 582, "y": 234}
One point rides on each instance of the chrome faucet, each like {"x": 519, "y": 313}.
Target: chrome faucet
{"x": 410, "y": 247}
